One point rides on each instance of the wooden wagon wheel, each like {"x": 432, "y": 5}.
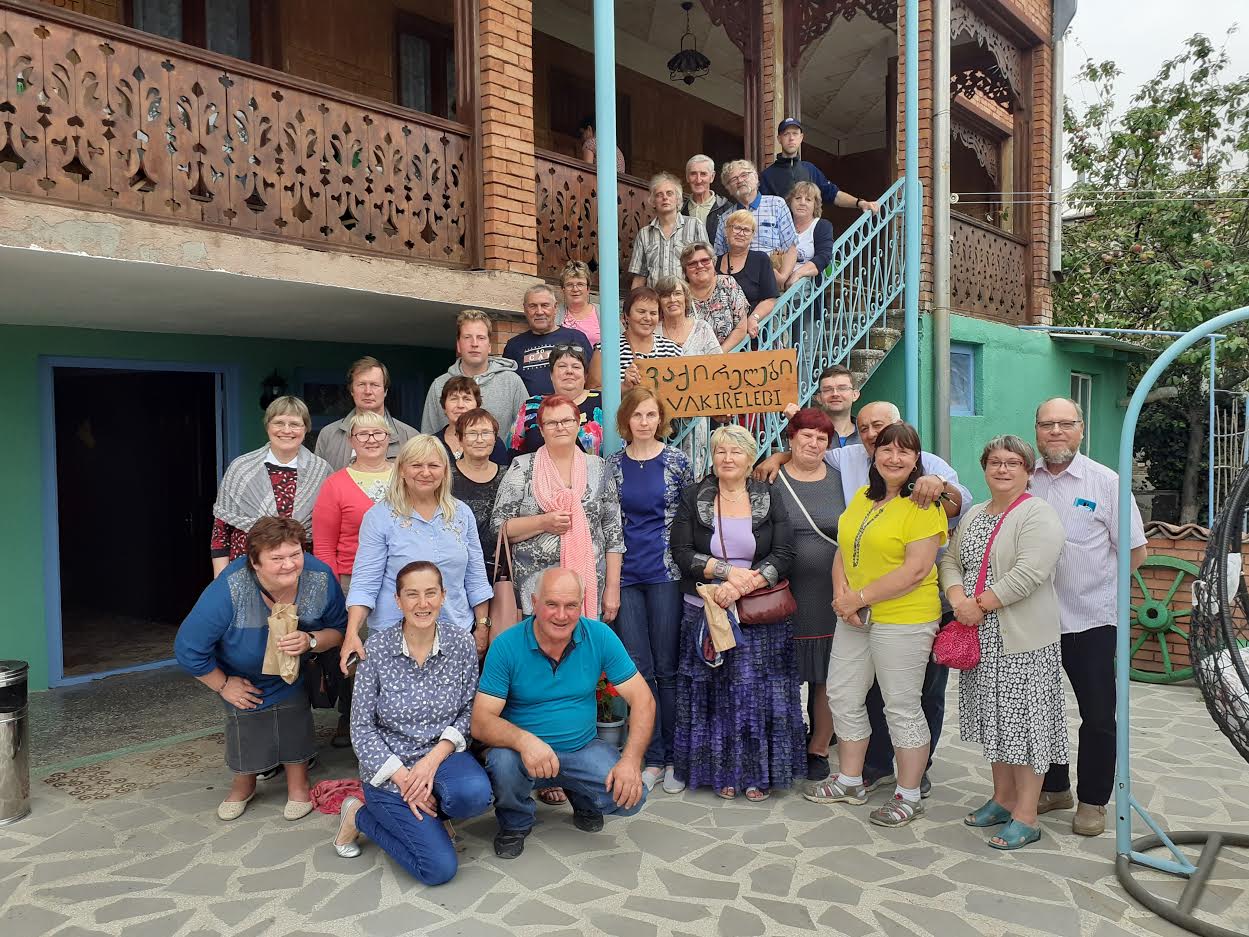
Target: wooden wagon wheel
{"x": 1156, "y": 618}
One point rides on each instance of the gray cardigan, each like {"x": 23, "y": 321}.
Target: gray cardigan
{"x": 1023, "y": 556}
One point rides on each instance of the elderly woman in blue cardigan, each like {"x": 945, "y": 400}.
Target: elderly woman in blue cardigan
{"x": 222, "y": 644}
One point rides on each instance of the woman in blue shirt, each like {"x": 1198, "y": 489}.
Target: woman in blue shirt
{"x": 409, "y": 726}
{"x": 222, "y": 644}
{"x": 418, "y": 520}
{"x": 650, "y": 477}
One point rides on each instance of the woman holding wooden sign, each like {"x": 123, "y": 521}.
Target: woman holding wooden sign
{"x": 637, "y": 340}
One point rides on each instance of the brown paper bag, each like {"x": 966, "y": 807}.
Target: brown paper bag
{"x": 717, "y": 620}
{"x": 282, "y": 621}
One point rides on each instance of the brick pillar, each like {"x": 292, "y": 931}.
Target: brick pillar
{"x": 771, "y": 70}
{"x": 925, "y": 135}
{"x": 1042, "y": 301}
{"x": 507, "y": 158}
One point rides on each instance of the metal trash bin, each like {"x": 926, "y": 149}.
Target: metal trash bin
{"x": 14, "y": 742}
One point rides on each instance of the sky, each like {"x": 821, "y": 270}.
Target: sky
{"x": 1142, "y": 34}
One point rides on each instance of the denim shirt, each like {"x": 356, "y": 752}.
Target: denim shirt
{"x": 389, "y": 542}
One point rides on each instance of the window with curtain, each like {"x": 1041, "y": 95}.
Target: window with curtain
{"x": 159, "y": 17}
{"x": 223, "y": 26}
{"x": 228, "y": 27}
{"x": 426, "y": 72}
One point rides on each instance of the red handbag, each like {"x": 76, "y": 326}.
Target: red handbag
{"x": 957, "y": 644}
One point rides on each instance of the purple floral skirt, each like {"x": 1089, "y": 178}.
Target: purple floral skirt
{"x": 740, "y": 724}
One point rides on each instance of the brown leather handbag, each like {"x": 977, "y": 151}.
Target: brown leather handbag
{"x": 504, "y": 610}
{"x": 764, "y": 606}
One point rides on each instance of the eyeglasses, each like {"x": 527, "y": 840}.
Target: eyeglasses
{"x": 1065, "y": 425}
{"x": 560, "y": 424}
{"x": 370, "y": 435}
{"x": 839, "y": 389}
{"x": 286, "y": 424}
{"x": 741, "y": 229}
{"x": 479, "y": 434}
{"x": 700, "y": 263}
{"x": 1011, "y": 464}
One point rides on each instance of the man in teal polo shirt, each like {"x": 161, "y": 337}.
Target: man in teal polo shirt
{"x": 535, "y": 707}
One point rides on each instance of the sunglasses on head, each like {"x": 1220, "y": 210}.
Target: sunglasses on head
{"x": 567, "y": 348}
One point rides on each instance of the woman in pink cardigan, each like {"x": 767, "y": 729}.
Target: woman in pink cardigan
{"x": 336, "y": 517}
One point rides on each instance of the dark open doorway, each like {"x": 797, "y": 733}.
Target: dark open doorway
{"x": 136, "y": 473}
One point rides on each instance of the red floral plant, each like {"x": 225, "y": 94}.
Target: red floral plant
{"x": 604, "y": 693}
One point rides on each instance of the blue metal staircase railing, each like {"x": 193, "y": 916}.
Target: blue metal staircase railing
{"x": 825, "y": 318}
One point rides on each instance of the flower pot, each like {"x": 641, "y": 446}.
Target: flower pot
{"x": 612, "y": 732}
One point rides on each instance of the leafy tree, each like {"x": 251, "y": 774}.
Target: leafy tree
{"x": 1162, "y": 236}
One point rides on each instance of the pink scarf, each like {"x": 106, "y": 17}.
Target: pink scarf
{"x": 576, "y": 547}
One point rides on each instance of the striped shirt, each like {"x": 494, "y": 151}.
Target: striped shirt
{"x": 655, "y": 255}
{"x": 774, "y": 226}
{"x": 1086, "y": 496}
{"x": 662, "y": 348}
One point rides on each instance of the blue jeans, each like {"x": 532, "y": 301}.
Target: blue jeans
{"x": 649, "y": 626}
{"x": 582, "y": 775}
{"x": 421, "y": 845}
{"x": 879, "y": 760}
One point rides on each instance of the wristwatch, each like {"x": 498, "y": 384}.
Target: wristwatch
{"x": 722, "y": 568}
{"x": 858, "y": 203}
{"x": 482, "y": 623}
{"x": 312, "y": 641}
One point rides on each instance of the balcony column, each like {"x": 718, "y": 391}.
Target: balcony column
{"x": 509, "y": 231}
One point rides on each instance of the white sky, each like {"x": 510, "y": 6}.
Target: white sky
{"x": 1140, "y": 35}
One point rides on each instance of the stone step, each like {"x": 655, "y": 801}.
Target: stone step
{"x": 884, "y": 338}
{"x": 866, "y": 359}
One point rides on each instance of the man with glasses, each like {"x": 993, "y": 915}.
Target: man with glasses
{"x": 835, "y": 397}
{"x": 774, "y": 225}
{"x": 368, "y": 381}
{"x": 532, "y": 350}
{"x": 1086, "y": 496}
{"x": 503, "y": 393}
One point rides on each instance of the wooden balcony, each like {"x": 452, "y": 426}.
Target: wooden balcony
{"x": 104, "y": 117}
{"x": 567, "y": 209}
{"x": 988, "y": 272}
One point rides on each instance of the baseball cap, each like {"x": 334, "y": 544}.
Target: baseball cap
{"x": 787, "y": 123}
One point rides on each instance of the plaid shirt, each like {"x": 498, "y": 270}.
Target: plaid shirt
{"x": 656, "y": 256}
{"x": 774, "y": 230}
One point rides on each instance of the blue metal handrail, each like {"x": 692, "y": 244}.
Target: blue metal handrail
{"x": 826, "y": 317}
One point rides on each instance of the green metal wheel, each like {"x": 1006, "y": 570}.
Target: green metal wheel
{"x": 1156, "y": 618}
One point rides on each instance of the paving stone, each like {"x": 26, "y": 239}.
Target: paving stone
{"x": 83, "y": 837}
{"x": 838, "y": 831}
{"x": 1062, "y": 920}
{"x": 75, "y": 931}
{"x": 470, "y": 928}
{"x": 326, "y": 861}
{"x": 841, "y": 922}
{"x": 457, "y": 895}
{"x": 353, "y": 900}
{"x": 145, "y": 843}
{"x": 161, "y": 926}
{"x": 205, "y": 879}
{"x": 237, "y": 910}
{"x": 787, "y": 852}
{"x": 65, "y": 870}
{"x": 396, "y": 920}
{"x": 1000, "y": 876}
{"x": 678, "y": 811}
{"x": 494, "y": 902}
{"x": 766, "y": 833}
{"x": 785, "y": 913}
{"x": 28, "y": 920}
{"x": 278, "y": 847}
{"x": 535, "y": 870}
{"x": 582, "y": 892}
{"x": 856, "y": 865}
{"x": 138, "y": 906}
{"x": 1096, "y": 901}
{"x": 311, "y": 895}
{"x": 831, "y": 888}
{"x": 290, "y": 876}
{"x": 772, "y": 879}
{"x": 926, "y": 886}
{"x": 666, "y": 908}
{"x": 187, "y": 831}
{"x": 936, "y": 921}
{"x": 736, "y": 816}
{"x": 8, "y": 887}
{"x": 890, "y": 927}
{"x": 917, "y": 857}
{"x": 91, "y": 891}
{"x": 734, "y": 922}
{"x": 619, "y": 870}
{"x": 536, "y": 912}
{"x": 163, "y": 866}
{"x": 725, "y": 859}
{"x": 256, "y": 929}
{"x": 666, "y": 842}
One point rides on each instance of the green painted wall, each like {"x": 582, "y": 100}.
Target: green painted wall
{"x": 1015, "y": 370}
{"x": 22, "y": 630}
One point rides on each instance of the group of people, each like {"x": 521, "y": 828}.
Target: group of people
{"x": 708, "y": 602}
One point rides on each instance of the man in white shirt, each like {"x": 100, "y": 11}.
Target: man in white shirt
{"x": 939, "y": 481}
{"x": 1086, "y": 496}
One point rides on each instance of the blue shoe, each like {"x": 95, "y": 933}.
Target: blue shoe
{"x": 1016, "y": 835}
{"x": 991, "y": 814}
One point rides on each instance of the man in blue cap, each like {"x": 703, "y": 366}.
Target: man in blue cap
{"x": 789, "y": 169}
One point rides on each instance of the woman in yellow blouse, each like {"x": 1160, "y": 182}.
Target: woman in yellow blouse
{"x": 888, "y": 607}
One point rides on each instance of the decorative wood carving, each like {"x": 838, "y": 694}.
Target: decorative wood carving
{"x": 966, "y": 22}
{"x": 92, "y": 119}
{"x": 567, "y": 208}
{"x": 988, "y": 273}
{"x": 808, "y": 20}
{"x": 985, "y": 80}
{"x": 737, "y": 19}
{"x": 984, "y": 146}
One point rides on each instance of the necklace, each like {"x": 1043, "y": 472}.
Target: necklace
{"x": 871, "y": 515}
{"x": 640, "y": 460}
{"x": 737, "y": 496}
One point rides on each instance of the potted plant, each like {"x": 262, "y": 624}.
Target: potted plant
{"x": 611, "y": 725}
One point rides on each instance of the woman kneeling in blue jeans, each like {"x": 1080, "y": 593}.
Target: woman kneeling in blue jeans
{"x": 650, "y": 477}
{"x": 413, "y": 760}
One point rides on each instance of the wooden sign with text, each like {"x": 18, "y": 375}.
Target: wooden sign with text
{"x": 708, "y": 385}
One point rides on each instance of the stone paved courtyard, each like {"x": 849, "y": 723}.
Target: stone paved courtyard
{"x": 132, "y": 847}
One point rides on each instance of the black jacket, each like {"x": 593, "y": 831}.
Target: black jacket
{"x": 693, "y": 527}
{"x": 788, "y": 171}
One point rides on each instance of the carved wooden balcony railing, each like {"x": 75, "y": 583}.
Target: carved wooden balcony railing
{"x": 988, "y": 272}
{"x": 99, "y": 116}
{"x": 567, "y": 208}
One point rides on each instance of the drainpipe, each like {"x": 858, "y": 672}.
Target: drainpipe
{"x": 1056, "y": 162}
{"x": 941, "y": 224}
{"x": 913, "y": 213}
{"x": 608, "y": 222}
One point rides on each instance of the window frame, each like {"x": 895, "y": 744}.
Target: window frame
{"x": 264, "y": 28}
{"x": 1081, "y": 388}
{"x": 442, "y": 49}
{"x": 971, "y": 353}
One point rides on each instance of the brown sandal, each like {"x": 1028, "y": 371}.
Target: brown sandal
{"x": 552, "y": 796}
